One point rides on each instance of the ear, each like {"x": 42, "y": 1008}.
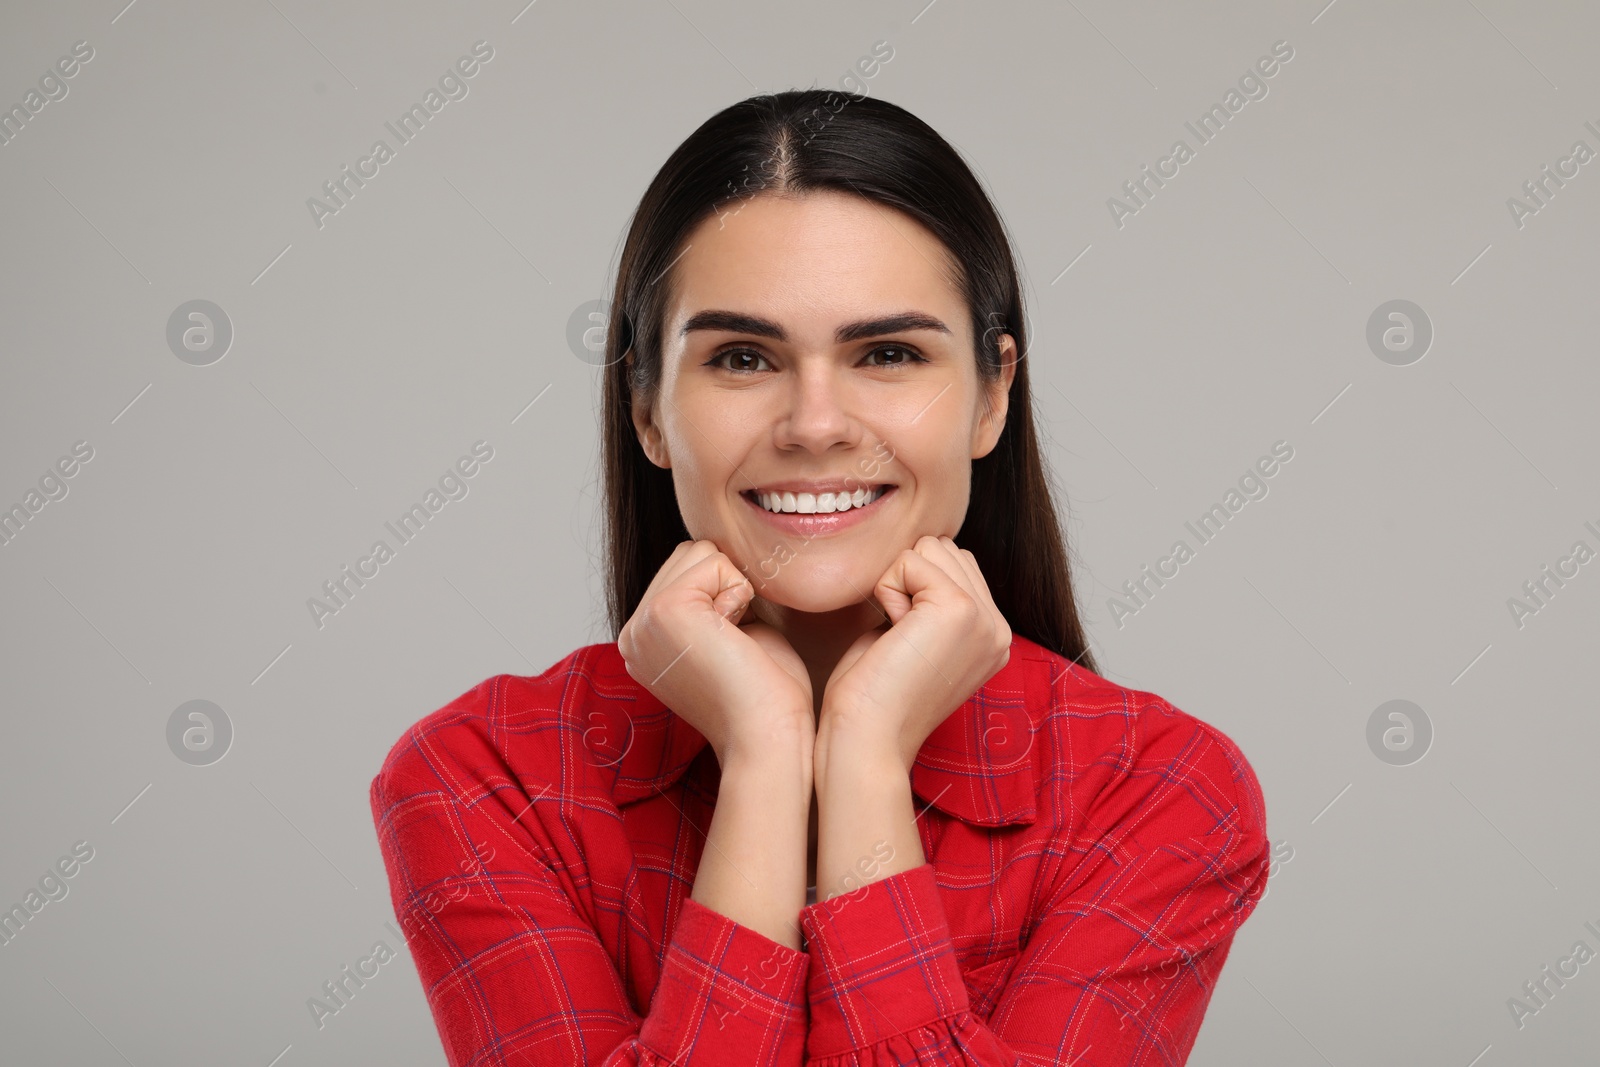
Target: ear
{"x": 650, "y": 436}
{"x": 986, "y": 433}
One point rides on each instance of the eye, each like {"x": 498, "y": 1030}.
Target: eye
{"x": 907, "y": 356}
{"x": 737, "y": 354}
{"x": 749, "y": 361}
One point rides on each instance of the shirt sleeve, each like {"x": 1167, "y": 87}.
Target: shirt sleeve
{"x": 514, "y": 974}
{"x": 1117, "y": 972}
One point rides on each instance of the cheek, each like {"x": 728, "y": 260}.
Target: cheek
{"x": 940, "y": 470}
{"x": 930, "y": 456}
{"x": 704, "y": 450}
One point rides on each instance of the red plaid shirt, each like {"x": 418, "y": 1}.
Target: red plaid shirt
{"x": 1091, "y": 852}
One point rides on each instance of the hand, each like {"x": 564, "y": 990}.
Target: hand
{"x": 896, "y": 684}
{"x": 740, "y": 686}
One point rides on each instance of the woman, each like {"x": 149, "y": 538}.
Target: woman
{"x": 846, "y": 789}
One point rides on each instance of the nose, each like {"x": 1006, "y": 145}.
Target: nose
{"x": 816, "y": 410}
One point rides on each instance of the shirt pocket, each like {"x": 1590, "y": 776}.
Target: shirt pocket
{"x": 986, "y": 983}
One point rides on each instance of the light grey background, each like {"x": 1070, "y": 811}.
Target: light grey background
{"x": 368, "y": 355}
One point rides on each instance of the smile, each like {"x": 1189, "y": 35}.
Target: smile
{"x": 815, "y": 503}
{"x": 808, "y": 516}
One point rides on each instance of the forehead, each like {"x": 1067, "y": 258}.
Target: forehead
{"x": 822, "y": 257}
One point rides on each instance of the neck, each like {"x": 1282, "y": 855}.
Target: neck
{"x": 820, "y": 638}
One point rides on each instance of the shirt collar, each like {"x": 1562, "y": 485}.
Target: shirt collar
{"x": 977, "y": 766}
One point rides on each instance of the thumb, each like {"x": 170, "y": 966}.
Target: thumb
{"x": 910, "y": 574}
{"x": 730, "y": 591}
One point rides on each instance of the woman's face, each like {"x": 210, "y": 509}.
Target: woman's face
{"x": 816, "y": 344}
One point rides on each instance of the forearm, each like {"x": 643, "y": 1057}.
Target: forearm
{"x": 753, "y": 868}
{"x": 866, "y": 818}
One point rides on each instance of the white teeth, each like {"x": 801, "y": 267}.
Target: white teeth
{"x": 811, "y": 504}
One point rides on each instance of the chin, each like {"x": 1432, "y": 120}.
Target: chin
{"x": 817, "y": 605}
{"x": 817, "y": 593}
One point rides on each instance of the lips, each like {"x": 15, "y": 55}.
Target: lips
{"x": 796, "y": 498}
{"x": 806, "y": 528}
{"x": 829, "y": 485}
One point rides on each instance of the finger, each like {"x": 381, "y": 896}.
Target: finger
{"x": 747, "y": 616}
{"x": 980, "y": 584}
{"x": 664, "y": 573}
{"x": 741, "y": 612}
{"x": 943, "y": 552}
{"x": 684, "y": 556}
{"x": 986, "y": 596}
{"x": 729, "y": 591}
{"x": 912, "y": 574}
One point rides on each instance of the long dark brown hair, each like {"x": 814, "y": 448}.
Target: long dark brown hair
{"x": 790, "y": 143}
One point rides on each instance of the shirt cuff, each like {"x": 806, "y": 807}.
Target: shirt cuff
{"x": 881, "y": 963}
{"x": 727, "y": 994}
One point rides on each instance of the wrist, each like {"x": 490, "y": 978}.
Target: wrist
{"x": 850, "y": 744}
{"x": 782, "y": 751}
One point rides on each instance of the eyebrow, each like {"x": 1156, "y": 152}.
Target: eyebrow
{"x": 737, "y": 322}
